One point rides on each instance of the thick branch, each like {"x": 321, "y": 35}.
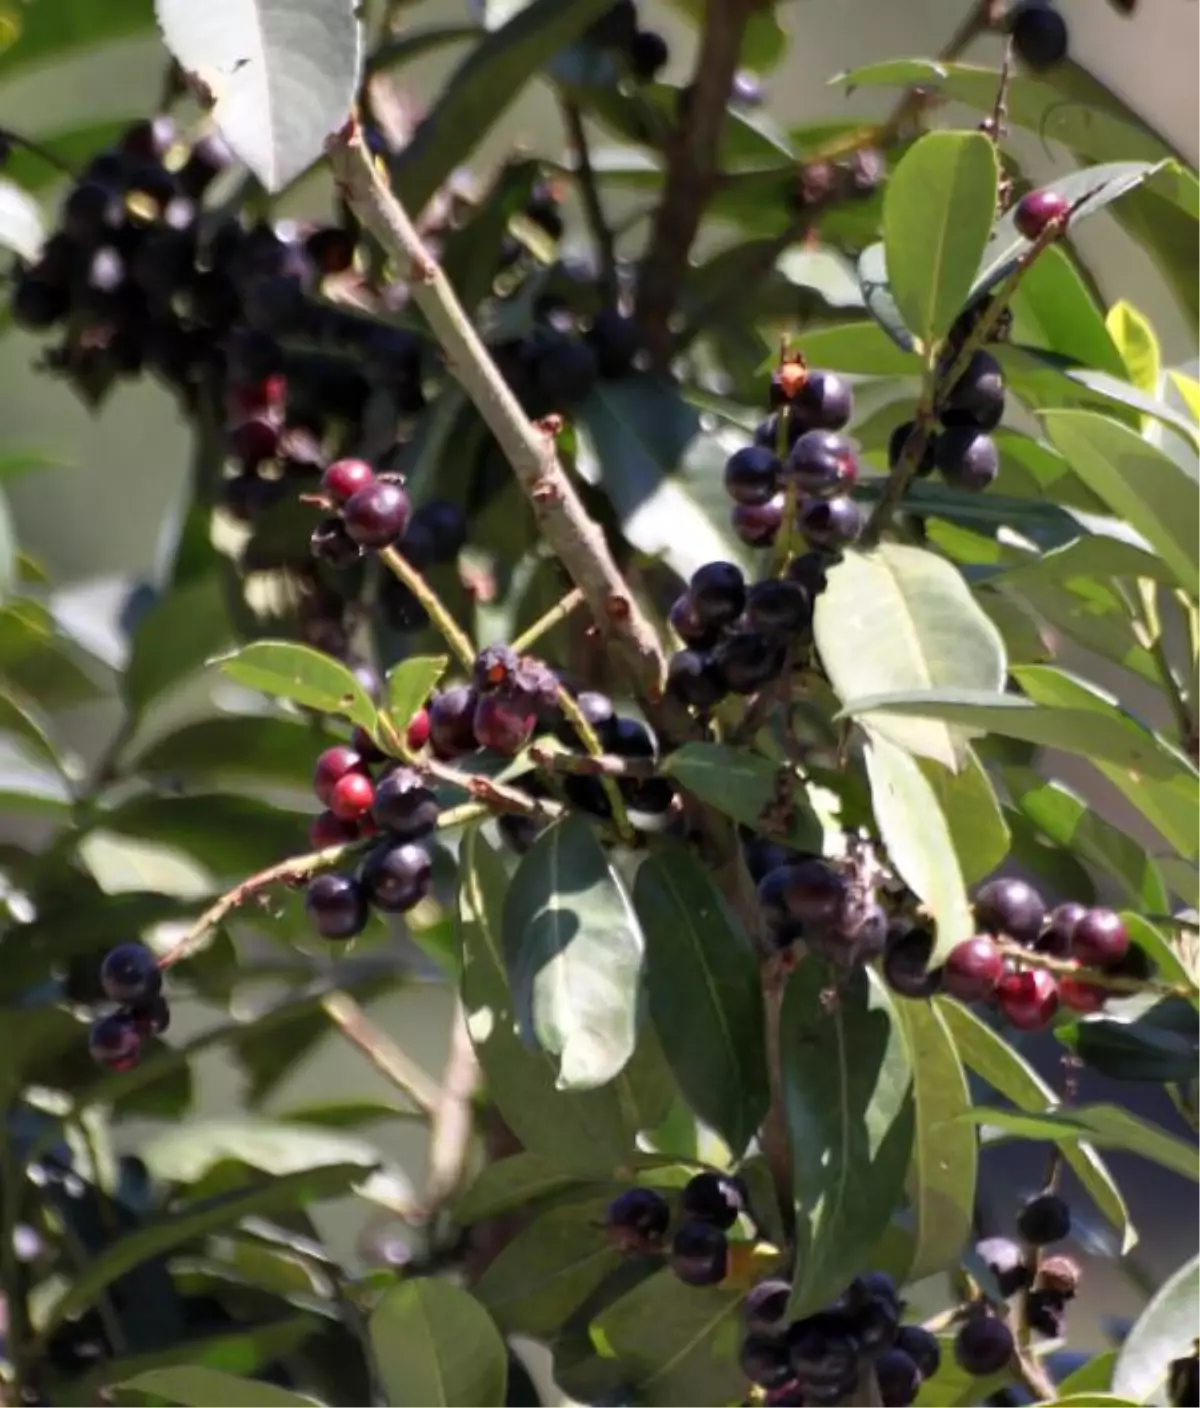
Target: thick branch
{"x": 692, "y": 170}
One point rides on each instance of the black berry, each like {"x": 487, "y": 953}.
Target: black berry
{"x": 688, "y": 625}
{"x": 824, "y": 402}
{"x": 1100, "y": 939}
{"x": 778, "y": 605}
{"x": 967, "y": 458}
{"x": 922, "y": 1348}
{"x": 983, "y": 1346}
{"x": 764, "y": 1310}
{"x": 714, "y": 1198}
{"x": 1039, "y": 34}
{"x": 899, "y": 439}
{"x": 451, "y": 722}
{"x": 637, "y": 1219}
{"x": 503, "y": 724}
{"x": 648, "y": 55}
{"x": 758, "y": 525}
{"x": 396, "y": 877}
{"x": 1012, "y": 907}
{"x": 976, "y": 399}
{"x": 718, "y": 594}
{"x": 812, "y": 892}
{"x": 898, "y": 1378}
{"x": 752, "y": 475}
{"x": 616, "y": 342}
{"x": 830, "y": 523}
{"x": 404, "y": 805}
{"x": 765, "y": 1361}
{"x": 130, "y": 973}
{"x": 337, "y": 905}
{"x": 699, "y": 1254}
{"x": 693, "y": 678}
{"x": 114, "y": 1042}
{"x": 906, "y": 964}
{"x": 152, "y": 1017}
{"x": 748, "y": 660}
{"x": 1043, "y": 1219}
{"x": 823, "y": 463}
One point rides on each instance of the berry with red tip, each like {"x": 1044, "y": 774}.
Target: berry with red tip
{"x": 824, "y": 402}
{"x": 823, "y": 463}
{"x": 1081, "y": 996}
{"x": 395, "y": 877}
{"x": 495, "y": 666}
{"x": 973, "y": 968}
{"x": 967, "y": 458}
{"x": 976, "y": 399}
{"x": 1055, "y": 938}
{"x": 758, "y": 525}
{"x": 332, "y": 765}
{"x": 377, "y": 514}
{"x": 1010, "y": 906}
{"x": 714, "y": 1198}
{"x": 114, "y": 1042}
{"x": 130, "y": 973}
{"x": 1100, "y": 938}
{"x": 337, "y": 905}
{"x": 327, "y": 829}
{"x": 637, "y": 1220}
{"x": 748, "y": 660}
{"x": 752, "y": 475}
{"x": 1039, "y": 34}
{"x": 502, "y": 724}
{"x": 344, "y": 478}
{"x": 984, "y": 1345}
{"x": 1043, "y": 1219}
{"x": 830, "y": 523}
{"x": 699, "y": 1254}
{"x": 405, "y": 805}
{"x": 1037, "y": 209}
{"x": 451, "y": 715}
{"x": 1029, "y": 999}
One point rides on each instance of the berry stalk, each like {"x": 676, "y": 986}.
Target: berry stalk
{"x": 451, "y": 632}
{"x": 547, "y": 622}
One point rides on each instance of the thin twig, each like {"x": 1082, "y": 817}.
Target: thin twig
{"x": 495, "y": 795}
{"x": 449, "y": 629}
{"x": 381, "y": 1051}
{"x": 453, "y": 1117}
{"x": 692, "y": 155}
{"x": 36, "y": 149}
{"x": 589, "y": 191}
{"x": 1094, "y": 977}
{"x": 547, "y": 622}
{"x": 592, "y": 765}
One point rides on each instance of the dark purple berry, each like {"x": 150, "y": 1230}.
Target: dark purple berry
{"x": 825, "y": 1353}
{"x": 564, "y": 371}
{"x": 37, "y": 303}
{"x": 337, "y": 905}
{"x": 748, "y": 660}
{"x": 114, "y": 1042}
{"x": 983, "y": 1346}
{"x": 648, "y": 55}
{"x": 397, "y": 877}
{"x": 404, "y": 805}
{"x": 451, "y": 722}
{"x": 699, "y": 1254}
{"x": 1100, "y": 939}
{"x": 90, "y": 210}
{"x": 765, "y": 1362}
{"x": 1043, "y": 1219}
{"x": 714, "y": 1198}
{"x": 1039, "y": 34}
{"x": 502, "y": 724}
{"x": 130, "y": 973}
{"x": 764, "y": 1311}
{"x": 694, "y": 679}
{"x": 599, "y": 712}
{"x": 628, "y": 738}
{"x": 899, "y": 439}
{"x": 780, "y": 606}
{"x": 973, "y": 968}
{"x": 764, "y": 856}
{"x": 906, "y": 964}
{"x": 811, "y": 571}
{"x": 1055, "y": 938}
{"x": 813, "y": 892}
{"x": 830, "y": 523}
{"x": 766, "y": 433}
{"x": 922, "y": 1347}
{"x": 1010, "y": 907}
{"x": 824, "y": 402}
{"x": 1036, "y": 210}
{"x": 752, "y": 475}
{"x": 637, "y": 1220}
{"x": 1046, "y": 1313}
{"x": 898, "y": 1378}
{"x": 377, "y": 514}
{"x": 976, "y": 400}
{"x": 687, "y": 624}
{"x": 718, "y": 593}
{"x": 152, "y": 1017}
{"x": 758, "y": 525}
{"x": 823, "y": 463}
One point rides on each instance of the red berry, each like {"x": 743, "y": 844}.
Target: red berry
{"x": 1036, "y": 210}
{"x": 344, "y": 478}
{"x": 1029, "y": 999}
{"x": 352, "y": 796}
{"x": 1060, "y": 926}
{"x": 1080, "y": 996}
{"x": 973, "y": 969}
{"x": 254, "y": 440}
{"x": 333, "y": 764}
{"x": 417, "y": 734}
{"x": 503, "y": 725}
{"x": 1100, "y": 939}
{"x": 329, "y": 830}
{"x": 377, "y": 514}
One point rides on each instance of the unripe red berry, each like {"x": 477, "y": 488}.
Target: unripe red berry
{"x": 1080, "y": 996}
{"x": 1036, "y": 210}
{"x": 1028, "y": 999}
{"x": 327, "y": 829}
{"x": 333, "y": 764}
{"x": 973, "y": 968}
{"x": 417, "y": 733}
{"x": 344, "y": 478}
{"x": 352, "y": 796}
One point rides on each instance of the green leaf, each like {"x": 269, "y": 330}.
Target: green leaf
{"x": 549, "y": 1269}
{"x": 40, "y": 660}
{"x": 937, "y": 214}
{"x": 1054, "y": 309}
{"x": 195, "y": 1386}
{"x": 1164, "y": 1331}
{"x": 482, "y": 87}
{"x": 1140, "y": 1038}
{"x": 35, "y": 34}
{"x": 247, "y": 749}
{"x": 20, "y": 222}
{"x": 510, "y": 1183}
{"x": 880, "y": 300}
{"x": 575, "y": 952}
{"x": 1093, "y": 1377}
{"x": 282, "y": 73}
{"x": 991, "y": 1058}
{"x": 1070, "y": 821}
{"x": 19, "y": 720}
{"x": 976, "y": 823}
{"x": 154, "y": 1238}
{"x": 1135, "y": 339}
{"x": 705, "y": 995}
{"x": 178, "y": 634}
{"x": 1164, "y": 954}
{"x": 764, "y": 43}
{"x": 590, "y": 1130}
{"x": 301, "y": 674}
{"x": 1189, "y": 392}
{"x": 899, "y": 619}
{"x": 409, "y": 685}
{"x": 861, "y": 347}
{"x": 945, "y": 1155}
{"x": 187, "y": 1153}
{"x": 924, "y": 856}
{"x": 1139, "y": 482}
{"x": 848, "y": 1091}
{"x": 740, "y": 784}
{"x": 434, "y": 1344}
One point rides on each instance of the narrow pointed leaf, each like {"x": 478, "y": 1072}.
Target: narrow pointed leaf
{"x": 196, "y": 1386}
{"x": 434, "y": 1344}
{"x": 973, "y": 815}
{"x": 301, "y": 674}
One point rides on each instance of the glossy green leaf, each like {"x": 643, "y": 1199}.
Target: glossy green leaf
{"x": 972, "y": 813}
{"x": 434, "y": 1344}
{"x": 301, "y": 674}
{"x": 1138, "y": 481}
{"x": 589, "y": 1130}
{"x": 186, "y": 1153}
{"x": 941, "y": 1183}
{"x": 409, "y": 685}
{"x": 35, "y": 34}
{"x": 740, "y": 784}
{"x": 575, "y": 953}
{"x": 282, "y": 74}
{"x": 482, "y": 87}
{"x": 1093, "y": 1377}
{"x": 1138, "y": 345}
{"x": 880, "y": 301}
{"x": 861, "y": 347}
{"x": 705, "y": 996}
{"x": 991, "y": 1058}
{"x": 19, "y": 720}
{"x": 510, "y": 1183}
{"x": 1164, "y": 954}
{"x": 1189, "y": 392}
{"x": 937, "y": 214}
{"x": 177, "y": 635}
{"x": 196, "y": 1386}
{"x": 1164, "y": 1331}
{"x": 902, "y": 619}
{"x": 1141, "y": 1038}
{"x": 924, "y": 856}
{"x": 1054, "y": 309}
{"x": 247, "y": 749}
{"x": 848, "y": 1092}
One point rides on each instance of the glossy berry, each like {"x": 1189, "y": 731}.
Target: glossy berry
{"x": 898, "y": 441}
{"x": 332, "y": 765}
{"x": 1100, "y": 939}
{"x": 404, "y": 805}
{"x": 977, "y": 398}
{"x": 502, "y": 724}
{"x": 1039, "y": 33}
{"x": 114, "y": 1042}
{"x": 628, "y": 738}
{"x": 694, "y": 679}
{"x": 337, "y": 905}
{"x": 1012, "y": 907}
{"x": 1056, "y": 937}
{"x": 637, "y": 1219}
{"x": 718, "y": 593}
{"x": 1045, "y": 1218}
{"x": 344, "y": 478}
{"x": 778, "y": 606}
{"x": 152, "y": 1017}
{"x": 451, "y": 722}
{"x": 922, "y": 1347}
{"x": 714, "y": 1198}
{"x": 872, "y": 1305}
{"x": 687, "y": 624}
{"x": 352, "y": 796}
{"x": 1006, "y": 1261}
{"x": 824, "y": 1352}
{"x": 823, "y": 463}
{"x": 752, "y": 475}
{"x": 327, "y": 829}
{"x": 984, "y": 1345}
{"x": 973, "y": 968}
{"x": 898, "y": 1378}
{"x": 377, "y": 514}
{"x": 813, "y": 892}
{"x": 446, "y": 526}
{"x": 416, "y": 736}
{"x": 130, "y": 973}
{"x": 1028, "y": 1000}
{"x": 824, "y": 402}
{"x": 1081, "y": 996}
{"x": 748, "y": 660}
{"x": 830, "y": 523}
{"x": 1037, "y": 209}
{"x": 765, "y": 1361}
{"x": 395, "y": 877}
{"x": 597, "y": 709}
{"x": 648, "y": 55}
{"x": 38, "y": 303}
{"x": 906, "y": 964}
{"x": 967, "y": 458}
{"x": 764, "y": 1311}
{"x": 699, "y": 1254}
{"x": 758, "y": 525}
{"x": 811, "y": 571}
{"x": 1046, "y": 1312}
{"x": 767, "y": 432}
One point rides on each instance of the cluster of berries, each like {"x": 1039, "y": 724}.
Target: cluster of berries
{"x": 130, "y": 976}
{"x": 963, "y": 451}
{"x": 979, "y": 970}
{"x": 833, "y": 907}
{"x": 1048, "y": 1283}
{"x": 638, "y": 1220}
